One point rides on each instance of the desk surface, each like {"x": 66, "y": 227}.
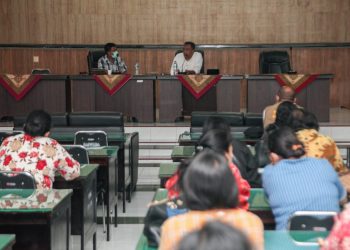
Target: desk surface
{"x": 7, "y": 240}
{"x": 194, "y": 137}
{"x": 63, "y": 136}
{"x": 257, "y": 200}
{"x": 183, "y": 152}
{"x": 27, "y": 200}
{"x": 85, "y": 171}
{"x": 166, "y": 170}
{"x": 109, "y": 151}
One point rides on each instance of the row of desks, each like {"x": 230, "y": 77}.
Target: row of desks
{"x": 273, "y": 240}
{"x": 145, "y": 96}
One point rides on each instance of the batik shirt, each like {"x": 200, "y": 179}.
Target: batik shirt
{"x": 118, "y": 65}
{"x": 41, "y": 156}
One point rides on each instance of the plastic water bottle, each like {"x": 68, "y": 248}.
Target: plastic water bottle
{"x": 175, "y": 68}
{"x": 137, "y": 69}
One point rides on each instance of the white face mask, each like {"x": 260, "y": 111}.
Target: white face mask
{"x": 115, "y": 54}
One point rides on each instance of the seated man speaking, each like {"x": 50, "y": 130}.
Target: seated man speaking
{"x": 189, "y": 61}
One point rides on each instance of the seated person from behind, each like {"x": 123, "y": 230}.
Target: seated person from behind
{"x": 284, "y": 94}
{"x": 215, "y": 235}
{"x": 210, "y": 193}
{"x": 189, "y": 61}
{"x": 317, "y": 145}
{"x": 294, "y": 183}
{"x": 111, "y": 60}
{"x": 36, "y": 153}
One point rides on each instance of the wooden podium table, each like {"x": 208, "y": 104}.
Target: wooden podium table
{"x": 135, "y": 98}
{"x": 48, "y": 94}
{"x": 262, "y": 90}
{"x": 173, "y": 98}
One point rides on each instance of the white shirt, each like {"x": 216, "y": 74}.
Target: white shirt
{"x": 195, "y": 63}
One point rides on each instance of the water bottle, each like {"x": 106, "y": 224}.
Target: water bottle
{"x": 137, "y": 69}
{"x": 175, "y": 68}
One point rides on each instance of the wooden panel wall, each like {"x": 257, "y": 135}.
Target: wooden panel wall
{"x": 158, "y": 61}
{"x": 172, "y": 22}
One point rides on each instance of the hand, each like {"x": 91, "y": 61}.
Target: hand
{"x": 320, "y": 241}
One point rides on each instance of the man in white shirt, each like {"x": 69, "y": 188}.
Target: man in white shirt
{"x": 189, "y": 61}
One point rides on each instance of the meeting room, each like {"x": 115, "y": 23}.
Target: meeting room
{"x": 175, "y": 125}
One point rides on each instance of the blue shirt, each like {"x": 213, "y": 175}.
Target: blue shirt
{"x": 305, "y": 184}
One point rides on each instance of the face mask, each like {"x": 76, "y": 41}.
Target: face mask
{"x": 115, "y": 54}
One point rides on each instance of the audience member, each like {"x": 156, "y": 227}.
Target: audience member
{"x": 36, "y": 153}
{"x": 285, "y": 94}
{"x": 210, "y": 193}
{"x": 215, "y": 235}
{"x": 316, "y": 145}
{"x": 293, "y": 182}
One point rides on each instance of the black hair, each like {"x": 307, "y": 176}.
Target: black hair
{"x": 215, "y": 122}
{"x": 217, "y": 140}
{"x": 301, "y": 119}
{"x": 109, "y": 46}
{"x": 284, "y": 143}
{"x": 38, "y": 123}
{"x": 215, "y": 235}
{"x": 192, "y": 44}
{"x": 181, "y": 170}
{"x": 208, "y": 183}
{"x": 283, "y": 113}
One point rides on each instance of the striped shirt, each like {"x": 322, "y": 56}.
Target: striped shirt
{"x": 176, "y": 227}
{"x": 305, "y": 184}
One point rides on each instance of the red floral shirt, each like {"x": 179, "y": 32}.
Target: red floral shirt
{"x": 41, "y": 156}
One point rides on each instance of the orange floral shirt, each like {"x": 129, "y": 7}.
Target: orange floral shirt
{"x": 178, "y": 226}
{"x": 41, "y": 156}
{"x": 320, "y": 146}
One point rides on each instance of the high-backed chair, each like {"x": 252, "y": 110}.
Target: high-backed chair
{"x": 92, "y": 59}
{"x": 16, "y": 180}
{"x": 274, "y": 62}
{"x": 197, "y": 50}
{"x": 198, "y": 119}
{"x": 57, "y": 120}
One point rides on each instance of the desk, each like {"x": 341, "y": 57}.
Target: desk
{"x": 83, "y": 219}
{"x": 49, "y": 94}
{"x": 315, "y": 97}
{"x": 180, "y": 153}
{"x": 191, "y": 139}
{"x": 40, "y": 220}
{"x": 166, "y": 170}
{"x": 260, "y": 206}
{"x": 107, "y": 176}
{"x": 223, "y": 97}
{"x": 7, "y": 241}
{"x": 135, "y": 98}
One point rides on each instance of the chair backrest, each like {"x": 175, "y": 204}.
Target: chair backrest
{"x": 92, "y": 59}
{"x": 91, "y": 139}
{"x": 197, "y": 50}
{"x": 311, "y": 221}
{"x": 97, "y": 119}
{"x": 41, "y": 72}
{"x": 253, "y": 119}
{"x": 79, "y": 153}
{"x": 198, "y": 119}
{"x": 16, "y": 180}
{"x": 274, "y": 62}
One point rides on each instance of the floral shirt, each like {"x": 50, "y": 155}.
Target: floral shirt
{"x": 339, "y": 238}
{"x": 118, "y": 65}
{"x": 320, "y": 146}
{"x": 41, "y": 156}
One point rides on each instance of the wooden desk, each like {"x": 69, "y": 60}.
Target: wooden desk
{"x": 223, "y": 97}
{"x": 107, "y": 176}
{"x": 262, "y": 90}
{"x": 135, "y": 98}
{"x": 48, "y": 94}
{"x": 84, "y": 212}
{"x": 7, "y": 241}
{"x": 40, "y": 220}
{"x": 191, "y": 139}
